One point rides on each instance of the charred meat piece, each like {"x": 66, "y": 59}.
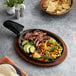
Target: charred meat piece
{"x": 37, "y": 36}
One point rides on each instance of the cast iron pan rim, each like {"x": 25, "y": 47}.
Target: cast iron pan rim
{"x": 17, "y": 69}
{"x": 51, "y": 33}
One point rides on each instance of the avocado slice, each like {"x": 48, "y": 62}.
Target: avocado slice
{"x": 27, "y": 48}
{"x": 24, "y": 42}
{"x": 32, "y": 49}
{"x": 52, "y": 41}
{"x": 36, "y": 55}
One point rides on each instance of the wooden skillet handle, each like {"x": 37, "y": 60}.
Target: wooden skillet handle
{"x": 13, "y": 26}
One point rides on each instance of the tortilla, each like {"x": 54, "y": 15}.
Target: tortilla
{"x": 7, "y": 70}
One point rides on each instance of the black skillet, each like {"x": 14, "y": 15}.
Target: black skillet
{"x": 17, "y": 70}
{"x": 18, "y": 30}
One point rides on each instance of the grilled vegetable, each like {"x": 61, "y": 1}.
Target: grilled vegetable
{"x": 52, "y": 41}
{"x": 24, "y": 42}
{"x": 27, "y": 48}
{"x": 32, "y": 49}
{"x": 48, "y": 57}
{"x": 36, "y": 55}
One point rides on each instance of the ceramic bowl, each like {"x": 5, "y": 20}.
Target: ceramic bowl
{"x": 41, "y": 5}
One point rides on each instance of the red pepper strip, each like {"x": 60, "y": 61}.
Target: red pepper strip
{"x": 41, "y": 47}
{"x": 42, "y": 60}
{"x": 48, "y": 44}
{"x": 49, "y": 54}
{"x": 41, "y": 56}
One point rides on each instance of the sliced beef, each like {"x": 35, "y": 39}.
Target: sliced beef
{"x": 37, "y": 36}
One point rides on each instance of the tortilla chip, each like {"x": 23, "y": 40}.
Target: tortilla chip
{"x": 70, "y": 2}
{"x": 63, "y": 10}
{"x": 65, "y": 6}
{"x": 59, "y": 8}
{"x": 46, "y": 4}
{"x": 51, "y": 9}
{"x": 63, "y": 0}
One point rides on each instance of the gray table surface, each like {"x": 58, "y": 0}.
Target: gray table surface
{"x": 64, "y": 26}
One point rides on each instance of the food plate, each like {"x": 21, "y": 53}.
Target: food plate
{"x": 38, "y": 63}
